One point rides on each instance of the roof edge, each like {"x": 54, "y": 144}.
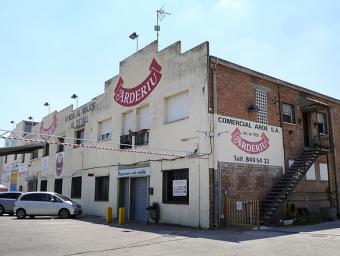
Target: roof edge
{"x": 270, "y": 78}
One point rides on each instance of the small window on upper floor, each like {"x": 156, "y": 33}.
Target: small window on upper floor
{"x": 322, "y": 123}
{"x": 288, "y": 113}
{"x": 5, "y": 160}
{"x": 80, "y": 135}
{"x": 46, "y": 150}
{"x": 15, "y": 157}
{"x": 177, "y": 107}
{"x": 105, "y": 130}
{"x": 60, "y": 147}
{"x": 35, "y": 154}
{"x": 22, "y": 158}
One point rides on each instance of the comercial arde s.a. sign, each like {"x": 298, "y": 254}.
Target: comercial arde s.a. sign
{"x": 243, "y": 141}
{"x": 132, "y": 96}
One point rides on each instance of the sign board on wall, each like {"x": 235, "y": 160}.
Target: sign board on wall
{"x": 135, "y": 172}
{"x": 179, "y": 188}
{"x": 243, "y": 141}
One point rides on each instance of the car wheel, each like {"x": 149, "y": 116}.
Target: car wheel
{"x": 2, "y": 210}
{"x": 64, "y": 213}
{"x": 32, "y": 216}
{"x": 21, "y": 214}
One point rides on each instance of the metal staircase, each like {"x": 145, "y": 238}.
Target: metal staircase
{"x": 285, "y": 186}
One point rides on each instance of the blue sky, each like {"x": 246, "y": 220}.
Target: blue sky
{"x": 52, "y": 49}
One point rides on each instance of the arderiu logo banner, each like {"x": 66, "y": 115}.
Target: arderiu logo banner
{"x": 132, "y": 96}
{"x": 251, "y": 147}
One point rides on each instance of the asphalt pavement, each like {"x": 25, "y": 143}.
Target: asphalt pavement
{"x": 89, "y": 236}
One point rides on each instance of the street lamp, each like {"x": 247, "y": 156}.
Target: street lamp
{"x": 48, "y": 105}
{"x": 31, "y": 119}
{"x": 75, "y": 96}
{"x": 134, "y": 36}
{"x": 13, "y": 123}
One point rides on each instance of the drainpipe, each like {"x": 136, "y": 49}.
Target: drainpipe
{"x": 217, "y": 176}
{"x": 330, "y": 121}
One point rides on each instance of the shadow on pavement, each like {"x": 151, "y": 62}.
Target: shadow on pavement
{"x": 227, "y": 235}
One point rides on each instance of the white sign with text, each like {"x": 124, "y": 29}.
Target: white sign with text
{"x": 243, "y": 141}
{"x": 179, "y": 188}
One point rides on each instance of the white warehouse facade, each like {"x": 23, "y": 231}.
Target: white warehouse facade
{"x": 145, "y": 139}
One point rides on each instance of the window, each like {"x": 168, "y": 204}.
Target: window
{"x": 322, "y": 123}
{"x": 102, "y": 189}
{"x": 10, "y": 195}
{"x": 288, "y": 113}
{"x": 142, "y": 136}
{"x": 105, "y": 130}
{"x": 323, "y": 172}
{"x": 310, "y": 175}
{"x": 176, "y": 186}
{"x": 60, "y": 147}
{"x": 177, "y": 107}
{"x": 127, "y": 128}
{"x": 22, "y": 158}
{"x": 79, "y": 136}
{"x": 58, "y": 186}
{"x": 47, "y": 149}
{"x": 143, "y": 118}
{"x": 35, "y": 154}
{"x": 261, "y": 103}
{"x": 15, "y": 157}
{"x": 35, "y": 197}
{"x": 76, "y": 187}
{"x": 5, "y": 159}
{"x": 43, "y": 185}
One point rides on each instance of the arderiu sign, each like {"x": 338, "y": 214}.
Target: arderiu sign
{"x": 132, "y": 96}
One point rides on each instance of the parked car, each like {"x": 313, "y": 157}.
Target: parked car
{"x": 45, "y": 204}
{"x": 7, "y": 200}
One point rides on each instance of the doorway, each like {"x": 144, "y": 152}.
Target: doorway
{"x": 133, "y": 196}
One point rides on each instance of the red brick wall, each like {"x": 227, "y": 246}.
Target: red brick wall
{"x": 235, "y": 92}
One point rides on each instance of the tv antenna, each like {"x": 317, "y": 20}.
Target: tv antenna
{"x": 160, "y": 16}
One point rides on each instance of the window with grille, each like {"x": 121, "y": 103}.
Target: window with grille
{"x": 58, "y": 186}
{"x": 176, "y": 186}
{"x": 76, "y": 187}
{"x": 288, "y": 113}
{"x": 261, "y": 103}
{"x": 102, "y": 189}
{"x": 43, "y": 185}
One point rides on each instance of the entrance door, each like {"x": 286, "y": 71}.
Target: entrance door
{"x": 139, "y": 198}
{"x": 307, "y": 128}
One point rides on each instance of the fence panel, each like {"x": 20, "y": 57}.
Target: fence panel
{"x": 242, "y": 212}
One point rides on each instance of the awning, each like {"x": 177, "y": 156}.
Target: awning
{"x": 20, "y": 149}
{"x": 309, "y": 104}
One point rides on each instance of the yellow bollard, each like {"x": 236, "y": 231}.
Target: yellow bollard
{"x": 121, "y": 217}
{"x": 108, "y": 215}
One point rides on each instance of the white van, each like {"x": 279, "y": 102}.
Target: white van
{"x": 45, "y": 204}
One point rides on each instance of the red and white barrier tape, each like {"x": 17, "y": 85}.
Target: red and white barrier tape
{"x": 106, "y": 148}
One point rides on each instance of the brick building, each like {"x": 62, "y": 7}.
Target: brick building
{"x": 188, "y": 131}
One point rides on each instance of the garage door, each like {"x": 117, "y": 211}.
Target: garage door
{"x": 140, "y": 198}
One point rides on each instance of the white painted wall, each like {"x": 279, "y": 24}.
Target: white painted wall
{"x": 181, "y": 71}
